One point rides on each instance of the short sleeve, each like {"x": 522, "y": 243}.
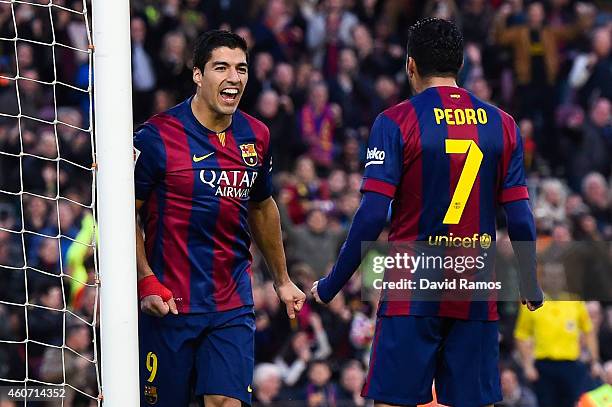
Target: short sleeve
{"x": 383, "y": 166}
{"x": 150, "y": 160}
{"x": 524, "y": 325}
{"x": 514, "y": 187}
{"x": 584, "y": 320}
{"x": 262, "y": 189}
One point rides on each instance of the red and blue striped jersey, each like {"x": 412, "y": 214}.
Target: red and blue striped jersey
{"x": 447, "y": 159}
{"x": 196, "y": 184}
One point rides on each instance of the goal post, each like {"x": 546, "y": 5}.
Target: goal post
{"x": 116, "y": 202}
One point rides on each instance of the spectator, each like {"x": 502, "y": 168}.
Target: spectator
{"x": 371, "y": 64}
{"x": 266, "y": 385}
{"x": 305, "y": 191}
{"x": 477, "y": 16}
{"x": 33, "y": 97}
{"x": 444, "y": 9}
{"x": 163, "y": 100}
{"x": 317, "y": 122}
{"x": 285, "y": 146}
{"x": 596, "y": 196}
{"x": 279, "y": 31}
{"x": 537, "y": 59}
{"x": 44, "y": 324}
{"x": 386, "y": 92}
{"x": 173, "y": 74}
{"x": 327, "y": 31}
{"x": 598, "y": 132}
{"x": 350, "y": 90}
{"x": 337, "y": 323}
{"x": 312, "y": 243}
{"x": 584, "y": 145}
{"x": 515, "y": 395}
{"x": 605, "y": 334}
{"x": 300, "y": 350}
{"x": 600, "y": 327}
{"x": 272, "y": 328}
{"x": 72, "y": 366}
{"x": 346, "y": 207}
{"x": 320, "y": 391}
{"x": 337, "y": 183}
{"x": 550, "y": 206}
{"x": 529, "y": 145}
{"x": 591, "y": 73}
{"x": 284, "y": 84}
{"x": 536, "y": 45}
{"x": 143, "y": 71}
{"x": 352, "y": 378}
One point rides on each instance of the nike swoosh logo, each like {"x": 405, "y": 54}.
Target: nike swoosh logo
{"x": 204, "y": 157}
{"x": 249, "y": 389}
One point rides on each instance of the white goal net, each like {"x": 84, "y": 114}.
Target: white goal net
{"x": 49, "y": 284}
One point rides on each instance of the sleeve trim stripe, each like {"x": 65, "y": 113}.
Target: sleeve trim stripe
{"x": 514, "y": 194}
{"x": 382, "y": 187}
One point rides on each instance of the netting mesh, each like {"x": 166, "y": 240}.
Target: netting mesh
{"x": 49, "y": 313}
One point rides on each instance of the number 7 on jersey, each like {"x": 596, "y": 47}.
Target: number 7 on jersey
{"x": 466, "y": 179}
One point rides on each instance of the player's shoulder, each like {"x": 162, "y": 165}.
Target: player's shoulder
{"x": 170, "y": 117}
{"x": 506, "y": 117}
{"x": 398, "y": 112}
{"x": 259, "y": 129}
{"x": 397, "y": 120}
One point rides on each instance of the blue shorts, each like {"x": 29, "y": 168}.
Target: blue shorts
{"x": 186, "y": 354}
{"x": 410, "y": 352}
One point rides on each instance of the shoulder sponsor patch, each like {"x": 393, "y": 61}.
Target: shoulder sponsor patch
{"x": 375, "y": 156}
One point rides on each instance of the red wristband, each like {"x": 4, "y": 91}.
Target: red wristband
{"x": 150, "y": 285}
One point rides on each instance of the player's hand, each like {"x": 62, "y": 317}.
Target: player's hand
{"x": 315, "y": 293}
{"x": 531, "y": 294}
{"x": 292, "y": 296}
{"x": 155, "y": 298}
{"x": 532, "y": 305}
{"x": 154, "y": 305}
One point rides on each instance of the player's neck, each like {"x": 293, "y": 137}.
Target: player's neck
{"x": 209, "y": 118}
{"x": 437, "y": 81}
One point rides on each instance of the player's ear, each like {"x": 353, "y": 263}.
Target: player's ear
{"x": 197, "y": 76}
{"x": 410, "y": 67}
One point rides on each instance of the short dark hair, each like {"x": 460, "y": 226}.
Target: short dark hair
{"x": 209, "y": 41}
{"x": 436, "y": 46}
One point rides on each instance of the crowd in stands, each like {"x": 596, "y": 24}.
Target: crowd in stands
{"x": 320, "y": 71}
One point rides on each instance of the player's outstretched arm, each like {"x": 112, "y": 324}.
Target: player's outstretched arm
{"x": 264, "y": 223}
{"x": 369, "y": 221}
{"x": 522, "y": 233}
{"x": 155, "y": 298}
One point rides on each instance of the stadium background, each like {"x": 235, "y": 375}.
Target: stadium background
{"x": 320, "y": 72}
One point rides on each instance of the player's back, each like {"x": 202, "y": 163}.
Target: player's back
{"x": 447, "y": 159}
{"x": 460, "y": 157}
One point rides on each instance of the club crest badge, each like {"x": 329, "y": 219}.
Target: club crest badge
{"x": 249, "y": 154}
{"x": 150, "y": 394}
